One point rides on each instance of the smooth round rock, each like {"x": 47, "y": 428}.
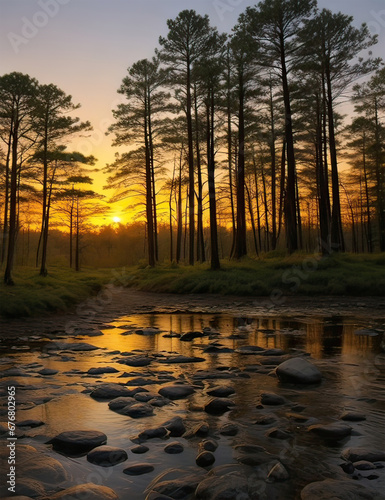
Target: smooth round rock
{"x": 107, "y": 456}
{"x": 278, "y": 473}
{"x": 218, "y": 406}
{"x": 48, "y": 371}
{"x": 364, "y": 465}
{"x": 335, "y": 431}
{"x": 360, "y": 453}
{"x": 157, "y": 432}
{"x": 78, "y": 441}
{"x": 343, "y": 490}
{"x": 353, "y": 417}
{"x": 278, "y": 434}
{"x": 233, "y": 486}
{"x": 101, "y": 370}
{"x": 205, "y": 459}
{"x": 30, "y": 423}
{"x": 298, "y": 371}
{"x": 221, "y": 391}
{"x": 208, "y": 445}
{"x": 110, "y": 391}
{"x": 176, "y": 391}
{"x": 271, "y": 399}
{"x": 120, "y": 403}
{"x": 174, "y": 448}
{"x": 87, "y": 491}
{"x": 139, "y": 450}
{"x": 175, "y": 426}
{"x": 229, "y": 430}
{"x": 138, "y": 410}
{"x": 138, "y": 469}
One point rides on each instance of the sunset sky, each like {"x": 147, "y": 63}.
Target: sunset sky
{"x": 86, "y": 46}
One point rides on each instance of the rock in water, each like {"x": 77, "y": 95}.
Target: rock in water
{"x": 174, "y": 448}
{"x": 298, "y": 371}
{"x": 106, "y": 456}
{"x": 87, "y": 491}
{"x": 218, "y": 406}
{"x": 335, "y": 431}
{"x": 176, "y": 391}
{"x": 175, "y": 426}
{"x": 110, "y": 391}
{"x": 138, "y": 469}
{"x": 205, "y": 459}
{"x": 361, "y": 453}
{"x": 343, "y": 490}
{"x": 233, "y": 486}
{"x": 270, "y": 399}
{"x": 78, "y": 441}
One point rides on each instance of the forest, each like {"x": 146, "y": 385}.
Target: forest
{"x": 268, "y": 138}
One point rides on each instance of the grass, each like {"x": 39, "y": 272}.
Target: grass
{"x": 34, "y": 295}
{"x": 303, "y": 274}
{"x": 274, "y": 273}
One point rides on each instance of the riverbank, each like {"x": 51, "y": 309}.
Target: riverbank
{"x": 115, "y": 301}
{"x": 275, "y": 280}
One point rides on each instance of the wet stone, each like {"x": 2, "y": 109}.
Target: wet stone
{"x": 30, "y": 423}
{"x": 189, "y": 336}
{"x": 138, "y": 410}
{"x": 138, "y": 450}
{"x": 335, "y": 431}
{"x": 229, "y": 430}
{"x": 174, "y": 392}
{"x": 174, "y": 448}
{"x": 343, "y": 490}
{"x": 353, "y": 416}
{"x": 175, "y": 426}
{"x": 234, "y": 486}
{"x": 87, "y": 491}
{"x": 208, "y": 445}
{"x": 138, "y": 469}
{"x": 199, "y": 430}
{"x": 278, "y": 434}
{"x": 364, "y": 465}
{"x": 270, "y": 399}
{"x": 221, "y": 391}
{"x": 136, "y": 361}
{"x": 101, "y": 370}
{"x": 218, "y": 406}
{"x": 47, "y": 371}
{"x": 266, "y": 420}
{"x": 361, "y": 453}
{"x": 278, "y": 473}
{"x": 205, "y": 459}
{"x": 298, "y": 371}
{"x": 78, "y": 441}
{"x": 110, "y": 391}
{"x": 106, "y": 456}
{"x": 157, "y": 432}
{"x": 120, "y": 403}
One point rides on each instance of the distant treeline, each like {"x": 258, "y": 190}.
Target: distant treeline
{"x": 238, "y": 131}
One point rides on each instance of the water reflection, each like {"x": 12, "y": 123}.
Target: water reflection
{"x": 350, "y": 363}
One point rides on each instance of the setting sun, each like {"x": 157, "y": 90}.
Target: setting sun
{"x": 116, "y": 219}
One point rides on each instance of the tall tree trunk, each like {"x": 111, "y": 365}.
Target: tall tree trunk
{"x": 8, "y": 280}
{"x": 179, "y": 212}
{"x": 201, "y": 254}
{"x": 191, "y": 194}
{"x": 323, "y": 211}
{"x": 149, "y": 190}
{"x": 77, "y": 237}
{"x": 282, "y": 188}
{"x": 6, "y": 197}
{"x": 250, "y": 204}
{"x": 290, "y": 198}
{"x": 368, "y": 217}
{"x": 240, "y": 244}
{"x": 273, "y": 174}
{"x": 215, "y": 264}
{"x": 380, "y": 190}
{"x": 267, "y": 229}
{"x": 153, "y": 188}
{"x": 337, "y": 239}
